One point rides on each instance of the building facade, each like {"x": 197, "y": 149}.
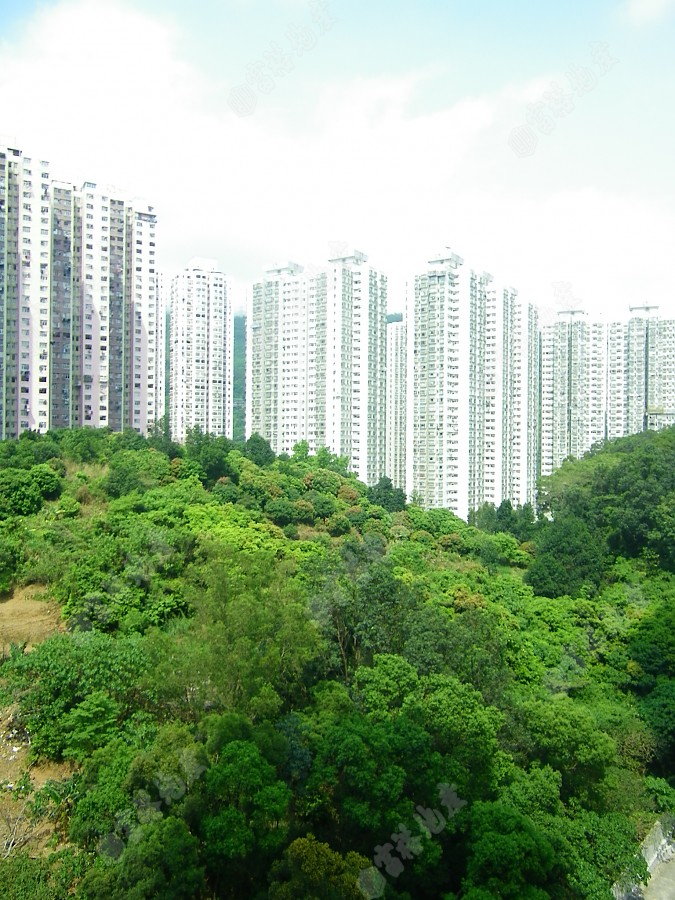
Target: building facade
{"x": 520, "y": 436}
{"x": 640, "y": 373}
{"x": 25, "y": 278}
{"x": 397, "y": 404}
{"x": 474, "y": 390}
{"x": 201, "y": 336}
{"x": 81, "y": 322}
{"x": 438, "y": 464}
{"x": 573, "y": 388}
{"x": 316, "y": 361}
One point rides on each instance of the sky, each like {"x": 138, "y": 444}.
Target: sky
{"x": 535, "y": 140}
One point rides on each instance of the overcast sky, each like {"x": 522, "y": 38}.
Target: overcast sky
{"x": 535, "y": 140}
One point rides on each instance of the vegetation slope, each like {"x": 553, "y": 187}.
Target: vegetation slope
{"x": 277, "y": 683}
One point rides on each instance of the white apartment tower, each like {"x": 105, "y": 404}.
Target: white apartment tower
{"x": 357, "y": 297}
{"x": 316, "y": 368}
{"x": 640, "y": 373}
{"x": 532, "y": 408}
{"x": 617, "y": 399}
{"x": 485, "y": 419}
{"x": 281, "y": 325}
{"x": 79, "y": 307}
{"x": 201, "y": 335}
{"x": 573, "y": 408}
{"x": 397, "y": 403}
{"x": 520, "y": 399}
{"x": 120, "y": 382}
{"x": 24, "y": 293}
{"x": 661, "y": 402}
{"x": 438, "y": 464}
{"x": 475, "y": 387}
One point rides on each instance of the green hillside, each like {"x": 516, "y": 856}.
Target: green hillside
{"x": 277, "y": 683}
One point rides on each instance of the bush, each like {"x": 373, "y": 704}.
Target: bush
{"x": 281, "y": 512}
{"x": 68, "y": 508}
{"x": 46, "y": 481}
{"x": 19, "y": 494}
{"x": 225, "y": 491}
{"x": 338, "y": 525}
{"x": 304, "y": 512}
{"x": 357, "y": 516}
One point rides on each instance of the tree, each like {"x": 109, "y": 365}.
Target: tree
{"x": 564, "y": 735}
{"x": 90, "y": 724}
{"x": 281, "y": 511}
{"x": 259, "y": 451}
{"x": 506, "y": 519}
{"x": 311, "y": 870}
{"x": 323, "y": 481}
{"x": 324, "y": 505}
{"x": 301, "y": 451}
{"x": 11, "y": 554}
{"x": 476, "y": 652}
{"x": 568, "y": 557}
{"x": 19, "y": 494}
{"x": 160, "y": 860}
{"x": 485, "y": 517}
{"x": 386, "y": 495}
{"x": 59, "y": 676}
{"x": 159, "y": 438}
{"x": 658, "y": 708}
{"x": 210, "y": 453}
{"x": 338, "y": 525}
{"x": 248, "y": 814}
{"x": 46, "y": 480}
{"x": 325, "y": 459}
{"x": 508, "y": 856}
{"x": 383, "y": 605}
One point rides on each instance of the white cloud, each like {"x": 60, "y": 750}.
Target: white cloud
{"x": 640, "y": 12}
{"x": 104, "y": 93}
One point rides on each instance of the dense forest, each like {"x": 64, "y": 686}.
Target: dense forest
{"x": 274, "y": 682}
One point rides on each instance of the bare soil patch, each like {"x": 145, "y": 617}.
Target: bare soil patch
{"x": 17, "y": 828}
{"x": 27, "y": 620}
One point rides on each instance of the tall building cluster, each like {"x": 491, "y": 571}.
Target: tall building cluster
{"x": 466, "y": 399}
{"x": 81, "y": 330}
{"x": 640, "y": 373}
{"x": 473, "y": 409}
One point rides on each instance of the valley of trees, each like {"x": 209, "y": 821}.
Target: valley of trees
{"x": 274, "y": 682}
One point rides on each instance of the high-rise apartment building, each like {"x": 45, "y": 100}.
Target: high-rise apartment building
{"x": 81, "y": 321}
{"x": 573, "y": 388}
{"x": 640, "y": 373}
{"x": 618, "y": 351}
{"x": 201, "y": 351}
{"x": 397, "y": 404}
{"x": 485, "y": 423}
{"x": 474, "y": 384}
{"x": 661, "y": 400}
{"x": 438, "y": 464}
{"x": 519, "y": 329}
{"x": 280, "y": 327}
{"x": 316, "y": 364}
{"x": 121, "y": 352}
{"x": 25, "y": 277}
